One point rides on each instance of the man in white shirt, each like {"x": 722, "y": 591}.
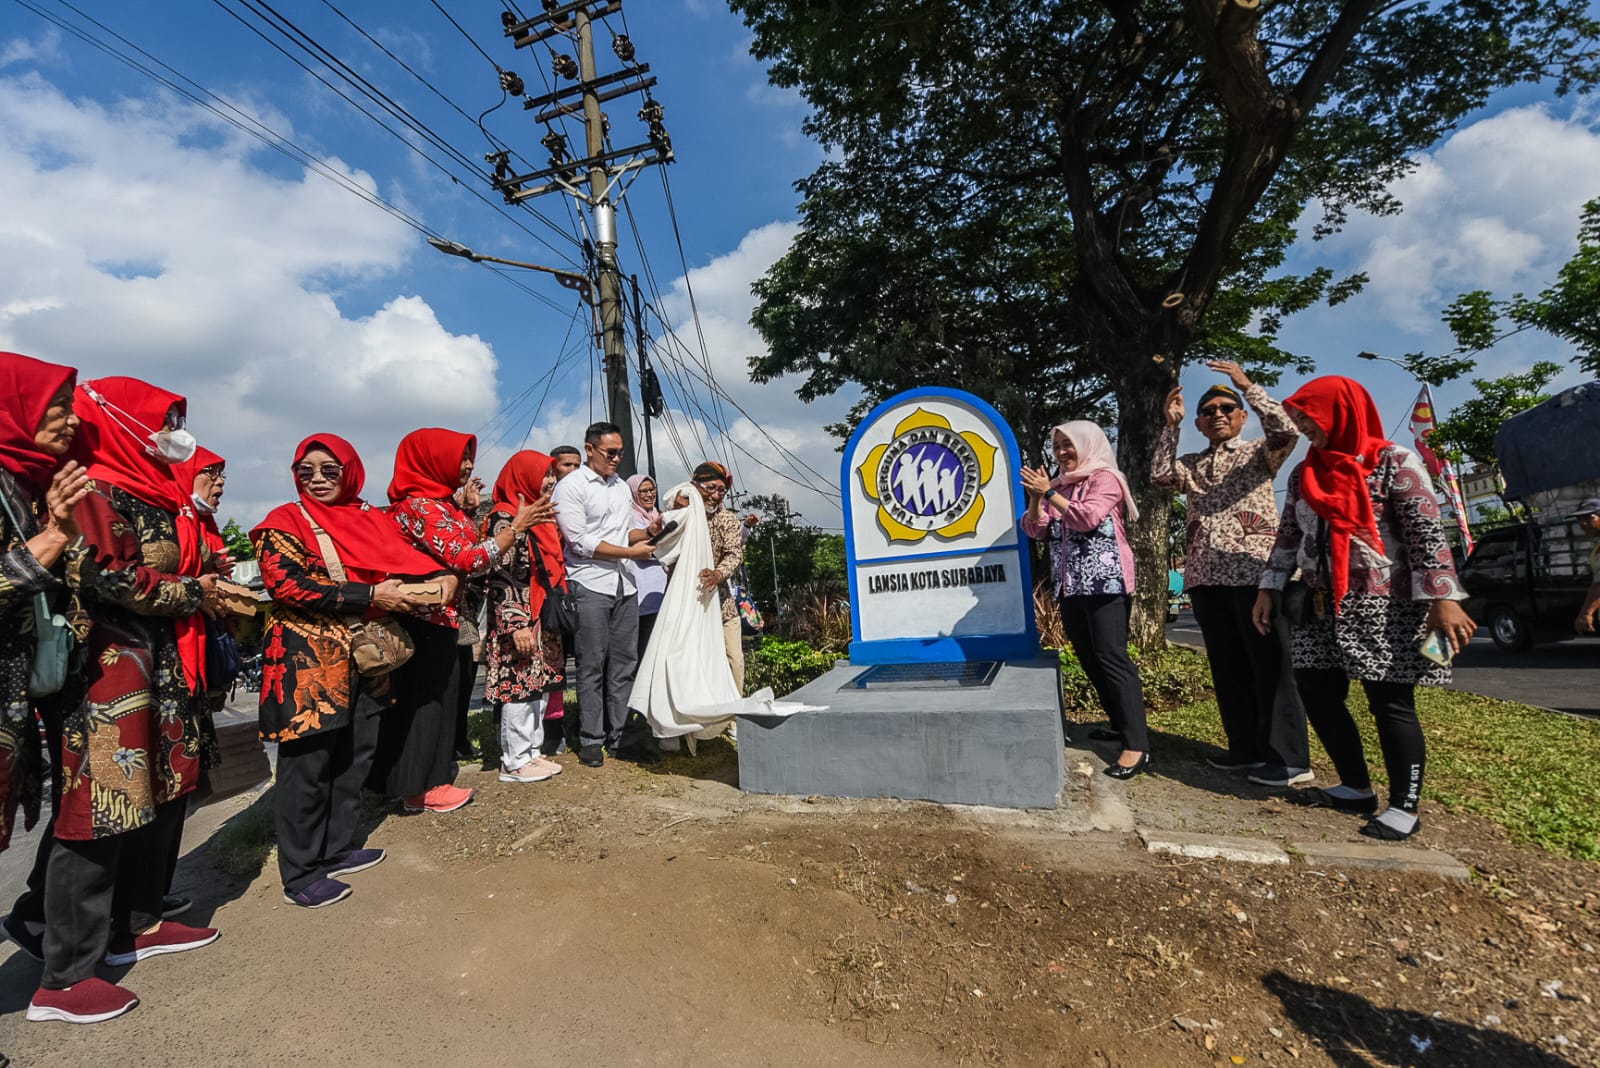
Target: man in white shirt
{"x": 594, "y": 509}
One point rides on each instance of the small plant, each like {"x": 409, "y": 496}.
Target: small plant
{"x": 784, "y": 665}
{"x": 242, "y": 845}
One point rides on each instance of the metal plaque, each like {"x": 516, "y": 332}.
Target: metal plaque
{"x": 949, "y": 675}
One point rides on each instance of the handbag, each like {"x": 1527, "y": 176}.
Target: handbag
{"x": 560, "y": 611}
{"x": 750, "y": 620}
{"x": 52, "y": 651}
{"x": 377, "y": 645}
{"x": 1300, "y": 603}
{"x": 224, "y": 663}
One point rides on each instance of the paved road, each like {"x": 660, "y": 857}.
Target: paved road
{"x": 1565, "y": 677}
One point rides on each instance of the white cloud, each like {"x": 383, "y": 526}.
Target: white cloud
{"x": 144, "y": 238}
{"x": 46, "y": 47}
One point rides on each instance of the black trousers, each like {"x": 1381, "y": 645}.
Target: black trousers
{"x": 467, "y": 670}
{"x": 1254, "y": 677}
{"x": 101, "y": 886}
{"x": 416, "y": 742}
{"x": 29, "y": 906}
{"x": 647, "y": 624}
{"x": 317, "y": 798}
{"x": 1394, "y": 706}
{"x": 1097, "y": 627}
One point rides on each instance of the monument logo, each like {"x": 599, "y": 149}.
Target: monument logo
{"x": 928, "y": 479}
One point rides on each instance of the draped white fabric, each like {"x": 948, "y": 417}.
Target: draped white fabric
{"x": 684, "y": 685}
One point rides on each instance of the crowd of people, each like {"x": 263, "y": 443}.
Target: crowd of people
{"x": 1354, "y": 581}
{"x": 115, "y": 598}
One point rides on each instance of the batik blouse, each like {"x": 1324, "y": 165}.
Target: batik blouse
{"x": 727, "y": 552}
{"x": 1088, "y": 543}
{"x": 512, "y": 676}
{"x": 308, "y": 684}
{"x": 439, "y": 529}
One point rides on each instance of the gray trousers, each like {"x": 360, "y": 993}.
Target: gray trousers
{"x": 608, "y": 655}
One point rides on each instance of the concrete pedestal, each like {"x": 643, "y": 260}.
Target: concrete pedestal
{"x": 997, "y": 744}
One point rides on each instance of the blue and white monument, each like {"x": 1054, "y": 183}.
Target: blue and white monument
{"x": 945, "y": 696}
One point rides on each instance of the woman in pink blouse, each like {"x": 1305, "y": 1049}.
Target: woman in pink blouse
{"x": 416, "y": 745}
{"x": 1081, "y": 513}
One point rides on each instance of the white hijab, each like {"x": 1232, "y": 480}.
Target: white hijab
{"x": 684, "y": 685}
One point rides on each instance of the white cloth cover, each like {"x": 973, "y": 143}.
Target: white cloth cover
{"x": 683, "y": 685}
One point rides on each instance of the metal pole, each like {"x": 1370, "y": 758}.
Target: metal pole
{"x": 644, "y": 366}
{"x": 777, "y": 605}
{"x": 612, "y": 338}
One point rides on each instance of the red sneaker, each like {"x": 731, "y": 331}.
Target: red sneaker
{"x": 446, "y": 798}
{"x": 168, "y": 937}
{"x": 87, "y": 1002}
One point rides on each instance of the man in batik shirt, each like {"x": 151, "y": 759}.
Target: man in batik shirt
{"x": 1232, "y": 524}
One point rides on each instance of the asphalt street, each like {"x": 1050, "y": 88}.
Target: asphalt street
{"x": 1564, "y": 676}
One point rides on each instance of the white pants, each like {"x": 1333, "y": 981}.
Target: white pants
{"x": 521, "y": 731}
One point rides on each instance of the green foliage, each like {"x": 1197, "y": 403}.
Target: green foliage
{"x": 1470, "y": 428}
{"x": 1169, "y": 677}
{"x": 810, "y": 561}
{"x": 784, "y": 665}
{"x": 238, "y": 540}
{"x": 242, "y": 845}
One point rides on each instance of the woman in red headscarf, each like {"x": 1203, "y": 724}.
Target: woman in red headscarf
{"x": 132, "y": 755}
{"x": 525, "y": 660}
{"x": 1362, "y": 525}
{"x": 417, "y": 747}
{"x": 323, "y": 715}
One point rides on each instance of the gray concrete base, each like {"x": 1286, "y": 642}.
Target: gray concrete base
{"x": 999, "y": 745}
{"x": 1213, "y": 847}
{"x": 1378, "y": 856}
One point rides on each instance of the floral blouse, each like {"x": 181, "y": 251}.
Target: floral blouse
{"x": 727, "y": 552}
{"x": 512, "y": 676}
{"x": 1233, "y": 516}
{"x": 440, "y": 530}
{"x": 1415, "y": 564}
{"x": 1088, "y": 543}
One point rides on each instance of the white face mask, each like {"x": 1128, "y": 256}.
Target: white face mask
{"x": 173, "y": 446}
{"x": 200, "y": 505}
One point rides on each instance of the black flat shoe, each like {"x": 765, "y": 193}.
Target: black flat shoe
{"x": 1316, "y": 797}
{"x": 1104, "y": 734}
{"x": 1121, "y": 771}
{"x": 1375, "y": 828}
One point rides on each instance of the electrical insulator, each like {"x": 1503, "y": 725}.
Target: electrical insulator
{"x": 511, "y": 82}
{"x": 652, "y": 111}
{"x": 551, "y": 5}
{"x": 556, "y": 144}
{"x": 655, "y": 405}
{"x": 564, "y": 65}
{"x": 623, "y": 47}
{"x": 502, "y": 163}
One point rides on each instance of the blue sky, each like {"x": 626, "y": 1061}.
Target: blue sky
{"x": 142, "y": 235}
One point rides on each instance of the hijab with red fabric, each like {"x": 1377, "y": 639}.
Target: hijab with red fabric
{"x": 1333, "y": 479}
{"x": 523, "y": 476}
{"x": 118, "y": 416}
{"x": 26, "y": 388}
{"x": 428, "y": 464}
{"x": 369, "y": 545}
{"x": 186, "y": 473}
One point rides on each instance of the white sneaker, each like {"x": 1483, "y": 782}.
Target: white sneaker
{"x": 529, "y": 772}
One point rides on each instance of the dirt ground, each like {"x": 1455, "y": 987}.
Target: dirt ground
{"x": 657, "y": 916}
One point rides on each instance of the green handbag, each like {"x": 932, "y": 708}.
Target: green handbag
{"x": 52, "y": 655}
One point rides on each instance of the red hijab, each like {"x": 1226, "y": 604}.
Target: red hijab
{"x": 1333, "y": 478}
{"x": 186, "y": 473}
{"x": 369, "y": 545}
{"x": 118, "y": 416}
{"x": 26, "y": 387}
{"x": 523, "y": 476}
{"x": 428, "y": 464}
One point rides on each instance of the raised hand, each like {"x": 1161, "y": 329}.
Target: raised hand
{"x": 1174, "y": 409}
{"x": 1235, "y": 373}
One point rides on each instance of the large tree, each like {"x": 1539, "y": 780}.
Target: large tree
{"x": 1055, "y": 203}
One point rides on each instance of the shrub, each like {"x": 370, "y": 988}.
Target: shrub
{"x": 784, "y": 665}
{"x": 1170, "y": 678}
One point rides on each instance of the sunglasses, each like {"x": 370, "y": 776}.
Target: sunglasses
{"x": 1219, "y": 409}
{"x": 609, "y": 454}
{"x": 307, "y": 472}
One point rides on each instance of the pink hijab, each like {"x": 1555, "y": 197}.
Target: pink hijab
{"x": 644, "y": 515}
{"x": 1094, "y": 454}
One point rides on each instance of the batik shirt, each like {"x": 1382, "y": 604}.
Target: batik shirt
{"x": 441, "y": 531}
{"x": 727, "y": 554}
{"x": 1088, "y": 545}
{"x": 512, "y": 676}
{"x": 1233, "y": 517}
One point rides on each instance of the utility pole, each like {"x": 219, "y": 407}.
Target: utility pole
{"x": 650, "y": 400}
{"x": 594, "y": 178}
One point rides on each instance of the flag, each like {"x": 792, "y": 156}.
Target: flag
{"x": 1423, "y": 423}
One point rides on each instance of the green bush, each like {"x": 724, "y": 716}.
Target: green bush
{"x": 1170, "y": 678}
{"x": 784, "y": 665}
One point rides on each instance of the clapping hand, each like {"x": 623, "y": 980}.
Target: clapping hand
{"x": 1036, "y": 480}
{"x": 69, "y": 486}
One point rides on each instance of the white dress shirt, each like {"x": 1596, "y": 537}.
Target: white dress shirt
{"x": 590, "y": 510}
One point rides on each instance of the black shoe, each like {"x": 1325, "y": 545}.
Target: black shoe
{"x": 464, "y": 755}
{"x": 1229, "y": 761}
{"x": 175, "y": 905}
{"x": 32, "y": 945}
{"x": 1316, "y": 797}
{"x": 591, "y": 756}
{"x": 1104, "y": 734}
{"x": 1375, "y": 828}
{"x": 1120, "y": 771}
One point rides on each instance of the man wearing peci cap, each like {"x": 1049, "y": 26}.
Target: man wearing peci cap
{"x": 1588, "y": 517}
{"x": 1233, "y": 521}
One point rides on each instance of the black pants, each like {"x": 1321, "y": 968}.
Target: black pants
{"x": 416, "y": 742}
{"x": 1254, "y": 677}
{"x": 1394, "y": 706}
{"x": 317, "y": 799}
{"x": 102, "y": 886}
{"x": 467, "y": 669}
{"x": 1097, "y": 627}
{"x": 647, "y": 623}
{"x": 29, "y": 906}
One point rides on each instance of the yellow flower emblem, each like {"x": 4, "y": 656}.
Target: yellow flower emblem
{"x": 928, "y": 478}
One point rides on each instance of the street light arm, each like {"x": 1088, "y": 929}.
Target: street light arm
{"x": 570, "y": 279}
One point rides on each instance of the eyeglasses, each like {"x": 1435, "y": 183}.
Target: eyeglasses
{"x": 1219, "y": 409}
{"x": 716, "y": 489}
{"x": 216, "y": 474}
{"x": 609, "y": 454}
{"x": 307, "y": 472}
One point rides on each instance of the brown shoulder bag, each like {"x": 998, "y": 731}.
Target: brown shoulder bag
{"x": 377, "y": 645}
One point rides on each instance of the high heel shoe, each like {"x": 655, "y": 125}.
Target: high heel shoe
{"x": 1128, "y": 771}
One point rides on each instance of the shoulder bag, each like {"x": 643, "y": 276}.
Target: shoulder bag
{"x": 52, "y": 653}
{"x": 560, "y": 611}
{"x": 1301, "y": 604}
{"x": 750, "y": 620}
{"x": 377, "y": 645}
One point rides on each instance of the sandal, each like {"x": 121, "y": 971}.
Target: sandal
{"x": 1316, "y": 797}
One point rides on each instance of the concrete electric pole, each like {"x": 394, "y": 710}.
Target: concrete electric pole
{"x": 594, "y": 178}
